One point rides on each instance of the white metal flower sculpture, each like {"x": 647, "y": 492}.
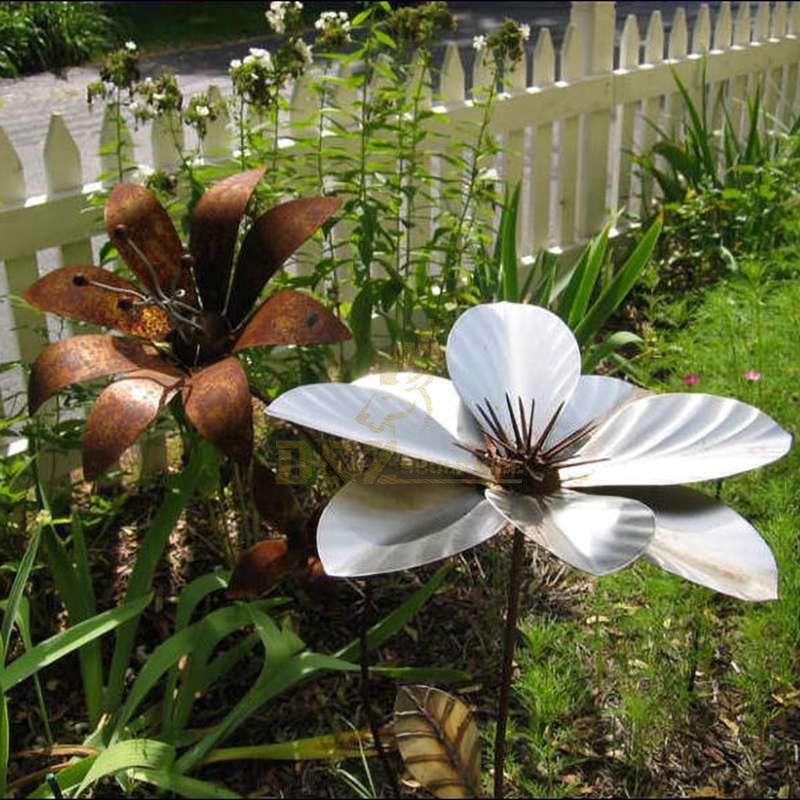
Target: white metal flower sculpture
{"x": 584, "y": 465}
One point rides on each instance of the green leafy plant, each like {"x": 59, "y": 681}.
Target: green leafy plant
{"x": 49, "y": 35}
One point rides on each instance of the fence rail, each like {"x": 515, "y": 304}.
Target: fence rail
{"x": 568, "y": 123}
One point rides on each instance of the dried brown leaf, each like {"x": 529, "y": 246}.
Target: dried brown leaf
{"x": 439, "y": 741}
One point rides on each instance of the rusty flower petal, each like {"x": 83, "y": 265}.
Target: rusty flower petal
{"x": 136, "y": 220}
{"x": 82, "y": 358}
{"x": 272, "y": 239}
{"x": 290, "y": 317}
{"x": 121, "y": 414}
{"x": 215, "y": 225}
{"x": 260, "y": 568}
{"x": 217, "y": 401}
{"x": 70, "y": 292}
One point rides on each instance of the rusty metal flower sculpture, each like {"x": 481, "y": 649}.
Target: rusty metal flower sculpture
{"x": 195, "y": 310}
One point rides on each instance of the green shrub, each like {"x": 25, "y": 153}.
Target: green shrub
{"x": 49, "y": 35}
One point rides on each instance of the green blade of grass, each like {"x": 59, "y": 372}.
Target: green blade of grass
{"x": 618, "y": 288}
{"x": 180, "y": 489}
{"x": 148, "y": 753}
{"x": 593, "y": 356}
{"x": 77, "y": 594}
{"x": 56, "y": 647}
{"x": 180, "y": 784}
{"x": 18, "y": 586}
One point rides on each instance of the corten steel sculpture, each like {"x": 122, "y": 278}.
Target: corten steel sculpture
{"x": 193, "y": 309}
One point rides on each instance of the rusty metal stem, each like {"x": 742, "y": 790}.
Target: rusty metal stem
{"x": 509, "y": 642}
{"x": 366, "y": 694}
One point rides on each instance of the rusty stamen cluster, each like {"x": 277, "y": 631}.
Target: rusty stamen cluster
{"x": 182, "y": 314}
{"x": 520, "y": 461}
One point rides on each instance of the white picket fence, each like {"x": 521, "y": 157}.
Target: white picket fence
{"x": 568, "y": 124}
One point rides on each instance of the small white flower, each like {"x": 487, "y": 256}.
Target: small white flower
{"x": 133, "y": 107}
{"x": 202, "y": 111}
{"x": 148, "y": 81}
{"x": 130, "y": 46}
{"x": 488, "y": 175}
{"x": 159, "y": 96}
{"x": 478, "y": 42}
{"x": 304, "y": 50}
{"x": 525, "y": 32}
{"x": 258, "y": 52}
{"x": 249, "y": 59}
{"x": 236, "y": 63}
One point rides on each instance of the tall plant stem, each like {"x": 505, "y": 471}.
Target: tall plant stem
{"x": 366, "y": 694}
{"x": 509, "y": 642}
{"x": 242, "y": 162}
{"x": 118, "y": 127}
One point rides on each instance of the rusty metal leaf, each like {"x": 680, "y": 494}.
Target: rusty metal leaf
{"x": 135, "y": 220}
{"x": 290, "y": 317}
{"x": 215, "y": 224}
{"x": 275, "y": 501}
{"x": 70, "y": 292}
{"x": 439, "y": 741}
{"x": 273, "y": 238}
{"x": 82, "y": 358}
{"x": 217, "y": 402}
{"x": 121, "y": 413}
{"x": 260, "y": 568}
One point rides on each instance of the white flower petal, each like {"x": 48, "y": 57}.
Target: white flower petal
{"x": 520, "y": 349}
{"x": 708, "y": 543}
{"x": 382, "y": 419}
{"x": 436, "y": 396}
{"x": 678, "y": 438}
{"x": 368, "y": 529}
{"x": 594, "y": 397}
{"x": 596, "y": 534}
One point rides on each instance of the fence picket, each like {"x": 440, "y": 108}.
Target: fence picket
{"x": 701, "y": 35}
{"x": 567, "y": 170}
{"x": 167, "y": 140}
{"x": 217, "y": 142}
{"x": 539, "y": 211}
{"x": 629, "y": 50}
{"x": 651, "y": 106}
{"x": 739, "y": 84}
{"x": 515, "y": 80}
{"x": 790, "y": 83}
{"x": 64, "y": 173}
{"x": 596, "y": 25}
{"x": 62, "y": 158}
{"x": 117, "y": 154}
{"x": 21, "y": 270}
{"x": 677, "y": 49}
{"x": 723, "y": 31}
{"x": 776, "y": 78}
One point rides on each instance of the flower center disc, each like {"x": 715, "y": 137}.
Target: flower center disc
{"x": 520, "y": 462}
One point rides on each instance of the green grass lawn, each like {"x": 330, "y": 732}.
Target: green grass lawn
{"x": 650, "y": 681}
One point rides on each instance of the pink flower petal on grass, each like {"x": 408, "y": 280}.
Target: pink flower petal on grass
{"x": 752, "y": 375}
{"x": 691, "y": 379}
